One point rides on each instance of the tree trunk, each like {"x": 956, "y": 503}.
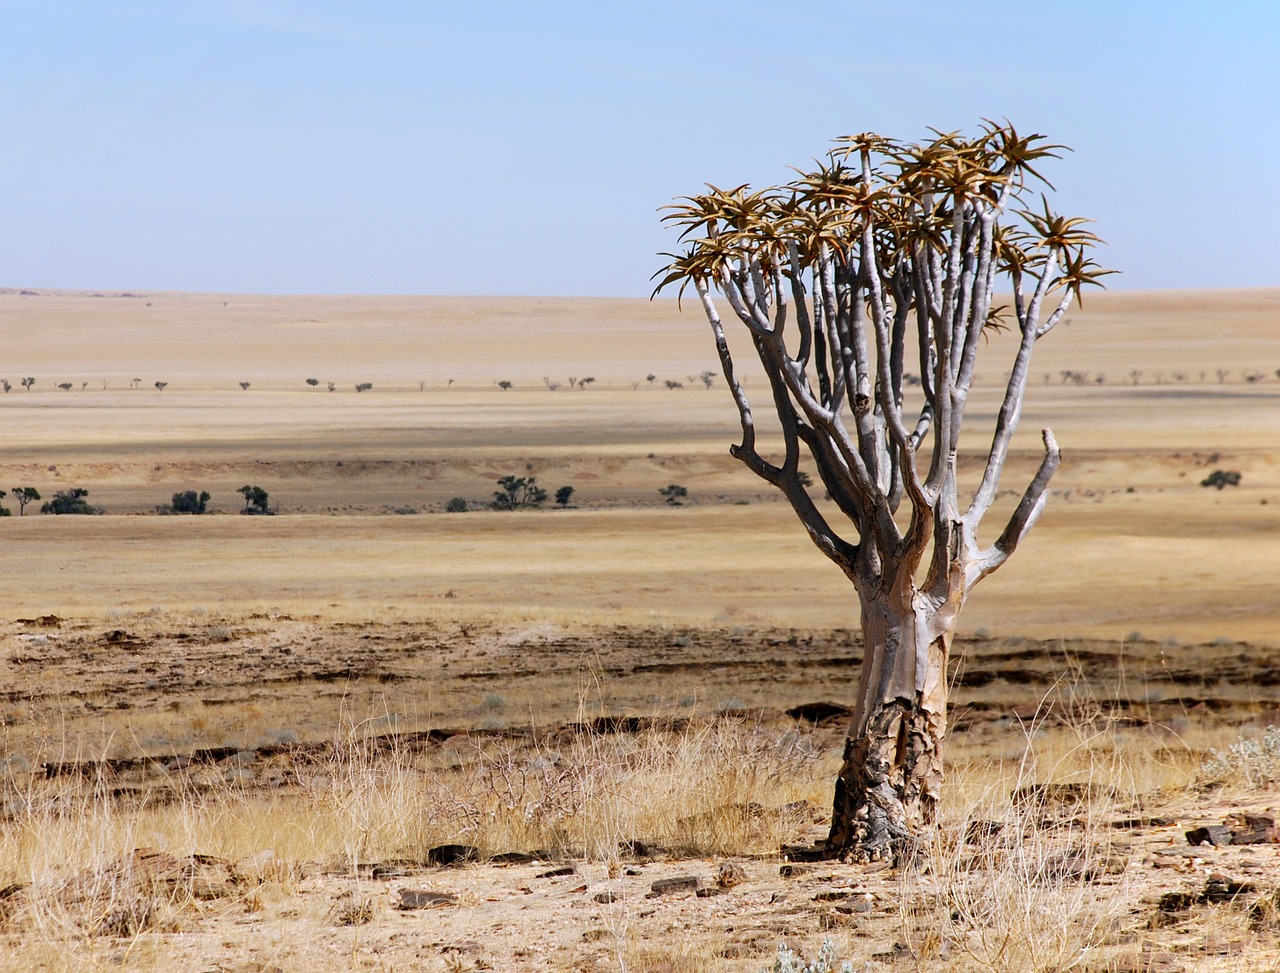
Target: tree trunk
{"x": 888, "y": 787}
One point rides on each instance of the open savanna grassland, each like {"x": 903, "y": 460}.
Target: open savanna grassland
{"x": 315, "y": 700}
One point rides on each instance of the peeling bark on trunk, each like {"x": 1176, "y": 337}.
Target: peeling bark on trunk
{"x": 890, "y": 781}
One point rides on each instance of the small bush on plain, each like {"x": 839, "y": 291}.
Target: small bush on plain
{"x": 69, "y": 502}
{"x": 518, "y": 493}
{"x": 1252, "y": 761}
{"x": 674, "y": 494}
{"x": 789, "y": 961}
{"x": 1221, "y": 479}
{"x": 189, "y": 502}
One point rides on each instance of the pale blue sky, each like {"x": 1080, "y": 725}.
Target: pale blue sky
{"x": 522, "y": 147}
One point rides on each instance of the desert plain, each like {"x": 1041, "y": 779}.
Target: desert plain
{"x": 239, "y": 743}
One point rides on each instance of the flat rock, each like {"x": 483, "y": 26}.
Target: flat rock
{"x": 671, "y": 886}
{"x": 423, "y": 899}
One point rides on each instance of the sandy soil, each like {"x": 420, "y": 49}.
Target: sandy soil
{"x": 249, "y": 640}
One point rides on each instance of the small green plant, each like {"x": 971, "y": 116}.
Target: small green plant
{"x": 457, "y": 505}
{"x": 255, "y": 500}
{"x": 69, "y": 502}
{"x": 1221, "y": 478}
{"x": 517, "y": 493}
{"x": 674, "y": 494}
{"x": 24, "y": 495}
{"x": 189, "y": 502}
{"x": 563, "y": 495}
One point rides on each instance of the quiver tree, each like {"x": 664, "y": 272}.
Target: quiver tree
{"x": 890, "y": 255}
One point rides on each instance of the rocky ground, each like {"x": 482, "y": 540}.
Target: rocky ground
{"x": 154, "y": 714}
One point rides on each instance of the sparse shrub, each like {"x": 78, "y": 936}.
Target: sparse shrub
{"x": 1221, "y": 478}
{"x": 364, "y": 386}
{"x": 332, "y": 387}
{"x": 1255, "y": 762}
{"x": 707, "y": 378}
{"x": 27, "y": 383}
{"x": 189, "y": 502}
{"x": 673, "y": 385}
{"x": 313, "y": 382}
{"x": 255, "y": 500}
{"x": 65, "y": 386}
{"x": 518, "y": 492}
{"x": 457, "y": 505}
{"x": 161, "y": 385}
{"x": 245, "y": 386}
{"x": 504, "y": 385}
{"x": 563, "y": 495}
{"x": 789, "y": 961}
{"x": 69, "y": 502}
{"x": 4, "y": 511}
{"x": 674, "y": 494}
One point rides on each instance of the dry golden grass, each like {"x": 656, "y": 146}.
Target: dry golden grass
{"x": 1045, "y": 883}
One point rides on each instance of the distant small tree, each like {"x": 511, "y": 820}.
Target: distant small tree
{"x": 563, "y": 495}
{"x": 5, "y": 384}
{"x": 1221, "y": 478}
{"x": 457, "y": 505}
{"x": 584, "y": 382}
{"x": 27, "y": 383}
{"x": 4, "y": 511}
{"x": 332, "y": 387}
{"x": 255, "y": 500}
{"x": 518, "y": 492}
{"x": 69, "y": 502}
{"x": 245, "y": 386}
{"x": 161, "y": 385}
{"x": 674, "y": 385}
{"x": 24, "y": 496}
{"x": 189, "y": 502}
{"x": 65, "y": 386}
{"x": 504, "y": 385}
{"x": 707, "y": 378}
{"x": 134, "y": 382}
{"x": 313, "y": 382}
{"x": 674, "y": 494}
{"x": 650, "y": 377}
{"x": 364, "y": 386}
